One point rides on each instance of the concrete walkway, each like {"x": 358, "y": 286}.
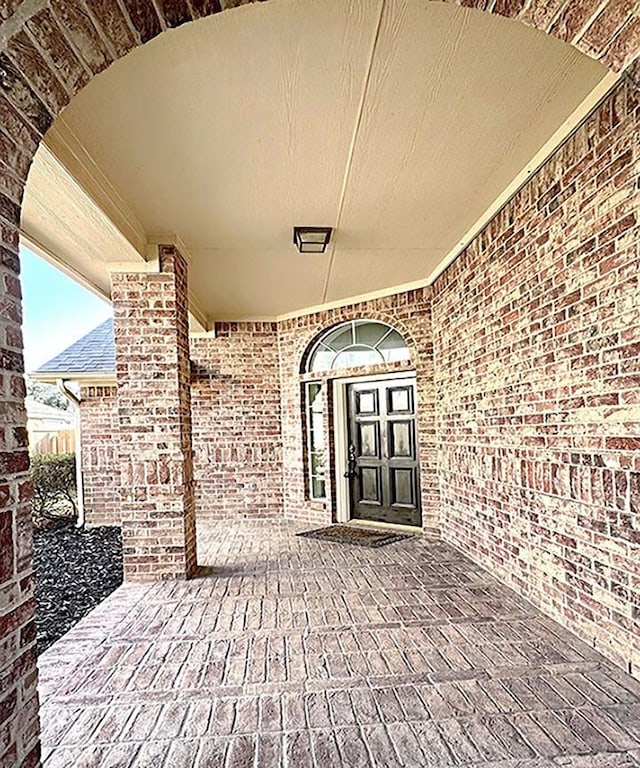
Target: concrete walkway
{"x": 300, "y": 653}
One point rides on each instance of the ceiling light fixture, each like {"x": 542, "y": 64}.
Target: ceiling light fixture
{"x": 312, "y": 239}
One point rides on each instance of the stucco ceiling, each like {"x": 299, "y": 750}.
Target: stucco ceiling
{"x": 398, "y": 122}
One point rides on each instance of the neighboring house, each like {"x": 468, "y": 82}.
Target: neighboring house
{"x": 51, "y": 430}
{"x": 92, "y": 355}
{"x": 90, "y": 362}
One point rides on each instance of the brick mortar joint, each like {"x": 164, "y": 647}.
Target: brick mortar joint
{"x": 15, "y": 23}
{"x": 632, "y": 75}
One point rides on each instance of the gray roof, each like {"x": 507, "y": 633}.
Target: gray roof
{"x": 93, "y": 353}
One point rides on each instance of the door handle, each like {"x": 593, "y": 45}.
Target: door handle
{"x": 352, "y": 469}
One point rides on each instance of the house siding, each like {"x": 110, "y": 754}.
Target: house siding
{"x": 99, "y": 449}
{"x": 235, "y": 401}
{"x": 537, "y": 375}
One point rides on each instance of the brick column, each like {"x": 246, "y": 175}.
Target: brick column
{"x": 19, "y": 728}
{"x": 154, "y": 415}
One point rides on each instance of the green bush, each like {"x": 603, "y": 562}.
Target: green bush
{"x": 53, "y": 477}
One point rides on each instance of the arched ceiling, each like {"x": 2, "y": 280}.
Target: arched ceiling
{"x": 400, "y": 123}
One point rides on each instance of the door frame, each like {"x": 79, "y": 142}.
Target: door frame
{"x": 340, "y": 440}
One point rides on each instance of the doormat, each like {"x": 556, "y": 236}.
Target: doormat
{"x": 362, "y": 537}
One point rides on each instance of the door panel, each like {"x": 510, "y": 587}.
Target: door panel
{"x": 370, "y": 486}
{"x": 369, "y": 440}
{"x": 383, "y": 466}
{"x": 401, "y": 440}
{"x": 403, "y": 487}
{"x": 400, "y": 400}
{"x": 367, "y": 403}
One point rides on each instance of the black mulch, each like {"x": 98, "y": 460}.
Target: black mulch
{"x": 348, "y": 534}
{"x": 74, "y": 571}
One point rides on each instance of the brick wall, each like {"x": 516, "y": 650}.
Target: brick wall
{"x": 409, "y": 313}
{"x": 235, "y": 398}
{"x": 18, "y": 674}
{"x": 100, "y": 466}
{"x": 537, "y": 350}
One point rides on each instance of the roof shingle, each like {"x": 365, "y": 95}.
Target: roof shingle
{"x": 93, "y": 353}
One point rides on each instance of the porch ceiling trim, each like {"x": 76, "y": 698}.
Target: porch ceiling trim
{"x": 72, "y": 155}
{"x": 40, "y": 249}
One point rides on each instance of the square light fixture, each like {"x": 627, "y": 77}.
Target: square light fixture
{"x": 312, "y": 239}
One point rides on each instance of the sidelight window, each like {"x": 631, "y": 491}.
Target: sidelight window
{"x": 316, "y": 454}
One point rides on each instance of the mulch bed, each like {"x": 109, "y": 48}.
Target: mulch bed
{"x": 362, "y": 537}
{"x": 74, "y": 571}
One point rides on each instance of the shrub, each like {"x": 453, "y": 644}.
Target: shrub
{"x": 53, "y": 477}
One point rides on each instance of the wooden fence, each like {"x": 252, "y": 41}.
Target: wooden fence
{"x": 63, "y": 441}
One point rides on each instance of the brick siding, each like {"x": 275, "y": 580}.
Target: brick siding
{"x": 100, "y": 466}
{"x": 246, "y": 402}
{"x": 246, "y": 398}
{"x": 537, "y": 351}
{"x": 235, "y": 397}
{"x": 18, "y": 675}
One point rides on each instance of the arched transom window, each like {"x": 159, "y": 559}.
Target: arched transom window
{"x": 356, "y": 343}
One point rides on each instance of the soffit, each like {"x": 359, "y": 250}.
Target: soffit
{"x": 396, "y": 122}
{"x": 62, "y": 223}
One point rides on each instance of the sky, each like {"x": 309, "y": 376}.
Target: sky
{"x": 57, "y": 310}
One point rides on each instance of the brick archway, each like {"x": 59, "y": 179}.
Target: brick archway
{"x": 50, "y": 49}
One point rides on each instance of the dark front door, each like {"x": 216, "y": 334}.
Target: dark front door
{"x": 383, "y": 456}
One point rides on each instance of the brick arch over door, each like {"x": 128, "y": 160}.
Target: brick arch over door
{"x": 50, "y": 49}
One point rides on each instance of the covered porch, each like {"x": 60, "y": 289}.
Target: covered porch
{"x": 296, "y": 652}
{"x": 478, "y": 166}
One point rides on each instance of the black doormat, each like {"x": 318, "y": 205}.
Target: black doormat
{"x": 362, "y": 537}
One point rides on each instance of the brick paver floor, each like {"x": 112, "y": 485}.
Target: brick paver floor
{"x": 293, "y": 652}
